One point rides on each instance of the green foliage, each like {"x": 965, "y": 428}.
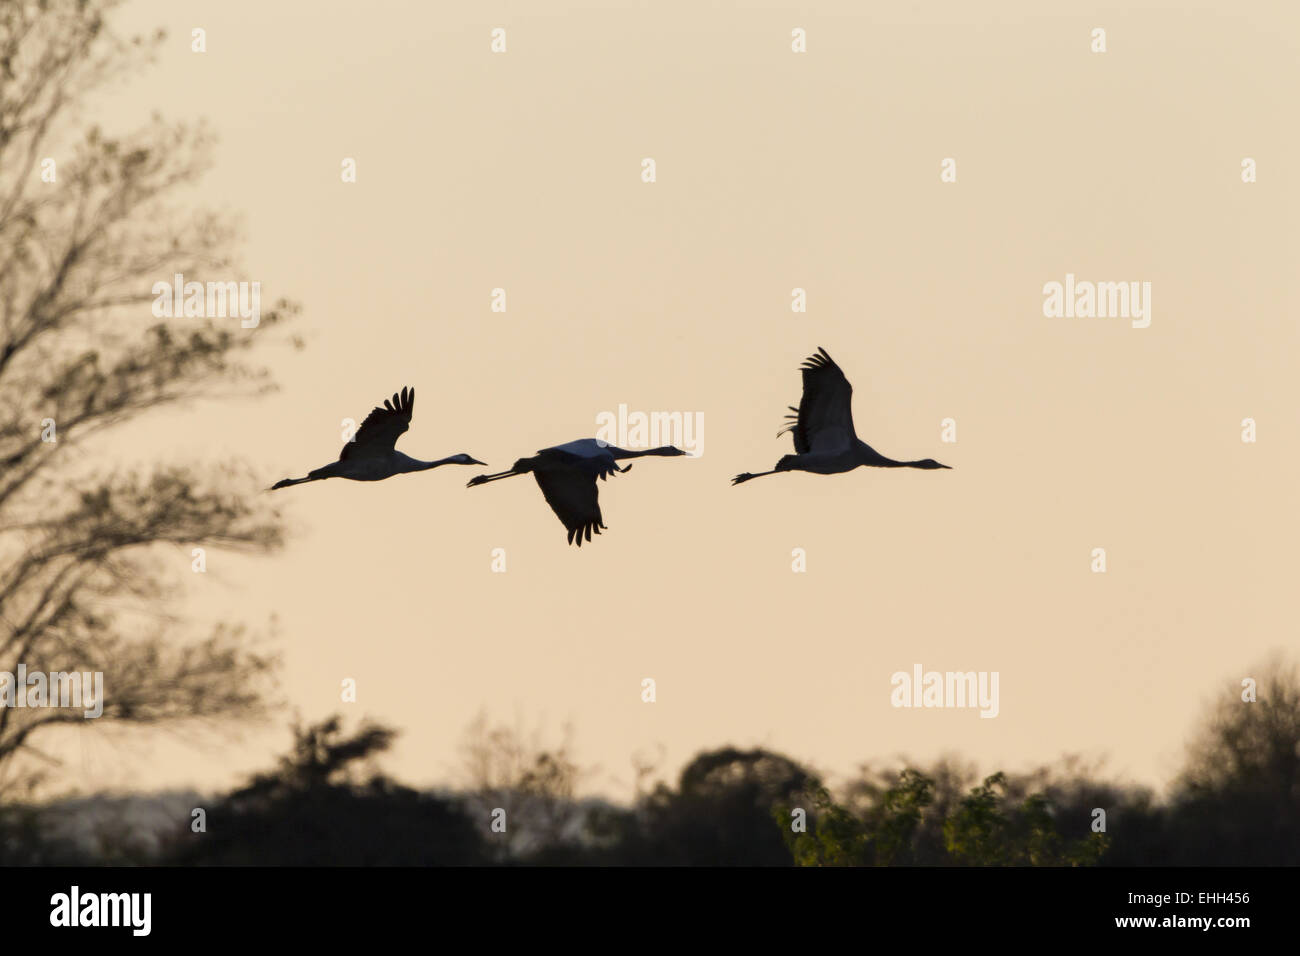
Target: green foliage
{"x": 988, "y": 827}
{"x": 900, "y": 817}
{"x": 835, "y": 837}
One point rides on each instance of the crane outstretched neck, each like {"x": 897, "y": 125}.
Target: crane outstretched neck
{"x": 866, "y": 455}
{"x": 405, "y": 463}
{"x": 927, "y": 463}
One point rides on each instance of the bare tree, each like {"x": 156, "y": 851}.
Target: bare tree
{"x": 1249, "y": 743}
{"x": 534, "y": 784}
{"x": 86, "y": 229}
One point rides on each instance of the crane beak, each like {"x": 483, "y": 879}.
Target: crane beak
{"x": 475, "y": 461}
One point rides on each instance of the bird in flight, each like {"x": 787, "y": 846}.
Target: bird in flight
{"x": 824, "y": 440}
{"x": 370, "y": 455}
{"x": 567, "y": 476}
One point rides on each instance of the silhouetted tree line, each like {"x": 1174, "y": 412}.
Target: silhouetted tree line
{"x": 1236, "y": 802}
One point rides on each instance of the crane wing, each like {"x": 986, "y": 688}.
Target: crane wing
{"x": 382, "y": 427}
{"x": 823, "y": 422}
{"x": 572, "y": 495}
{"x": 584, "y": 455}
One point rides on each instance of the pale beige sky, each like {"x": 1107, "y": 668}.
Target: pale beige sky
{"x": 775, "y": 171}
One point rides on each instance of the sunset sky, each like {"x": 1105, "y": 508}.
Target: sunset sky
{"x": 775, "y": 171}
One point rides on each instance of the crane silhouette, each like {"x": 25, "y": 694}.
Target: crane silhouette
{"x": 370, "y": 456}
{"x": 567, "y": 476}
{"x": 824, "y": 440}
